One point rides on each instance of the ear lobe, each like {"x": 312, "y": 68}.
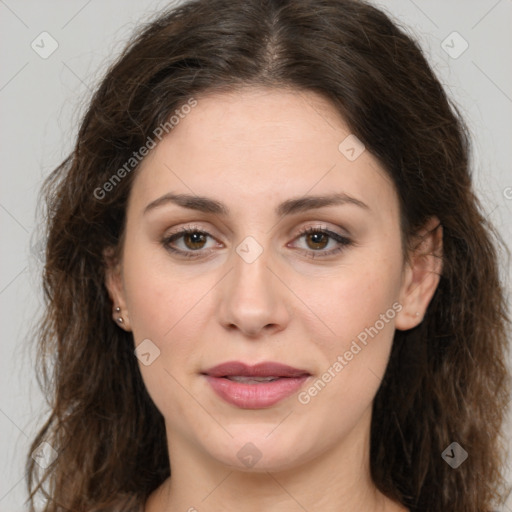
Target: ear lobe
{"x": 115, "y": 288}
{"x": 422, "y": 275}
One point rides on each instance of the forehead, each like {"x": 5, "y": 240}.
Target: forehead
{"x": 259, "y": 144}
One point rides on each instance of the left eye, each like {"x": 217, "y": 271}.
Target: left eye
{"x": 318, "y": 238}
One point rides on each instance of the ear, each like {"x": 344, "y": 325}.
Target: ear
{"x": 421, "y": 275}
{"x": 115, "y": 288}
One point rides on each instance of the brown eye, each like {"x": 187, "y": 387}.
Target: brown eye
{"x": 188, "y": 242}
{"x": 318, "y": 239}
{"x": 194, "y": 240}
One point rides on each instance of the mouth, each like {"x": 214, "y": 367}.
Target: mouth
{"x": 255, "y": 387}
{"x": 251, "y": 380}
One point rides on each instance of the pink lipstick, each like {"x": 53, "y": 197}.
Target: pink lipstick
{"x": 255, "y": 387}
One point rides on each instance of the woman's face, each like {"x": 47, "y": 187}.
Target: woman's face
{"x": 258, "y": 167}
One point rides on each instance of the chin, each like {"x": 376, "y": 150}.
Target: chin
{"x": 257, "y": 453}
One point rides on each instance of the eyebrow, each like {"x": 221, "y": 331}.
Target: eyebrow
{"x": 288, "y": 207}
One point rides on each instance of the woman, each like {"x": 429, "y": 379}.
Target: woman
{"x": 270, "y": 285}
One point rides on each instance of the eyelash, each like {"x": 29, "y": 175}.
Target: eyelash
{"x": 342, "y": 240}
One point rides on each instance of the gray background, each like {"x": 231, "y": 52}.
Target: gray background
{"x": 41, "y": 100}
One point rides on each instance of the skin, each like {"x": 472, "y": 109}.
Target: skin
{"x": 251, "y": 150}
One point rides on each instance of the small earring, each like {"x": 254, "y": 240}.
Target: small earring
{"x": 120, "y": 318}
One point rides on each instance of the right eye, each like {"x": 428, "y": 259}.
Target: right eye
{"x": 193, "y": 242}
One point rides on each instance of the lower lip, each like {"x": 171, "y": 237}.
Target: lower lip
{"x": 255, "y": 396}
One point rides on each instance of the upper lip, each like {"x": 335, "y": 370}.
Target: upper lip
{"x": 265, "y": 369}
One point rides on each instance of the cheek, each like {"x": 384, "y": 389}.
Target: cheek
{"x": 357, "y": 308}
{"x": 354, "y": 359}
{"x": 355, "y": 297}
{"x": 168, "y": 306}
{"x": 157, "y": 297}
{"x": 167, "y": 310}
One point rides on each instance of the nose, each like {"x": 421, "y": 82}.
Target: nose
{"x": 253, "y": 298}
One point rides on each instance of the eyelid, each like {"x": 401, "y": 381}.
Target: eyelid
{"x": 179, "y": 233}
{"x": 342, "y": 240}
{"x": 323, "y": 227}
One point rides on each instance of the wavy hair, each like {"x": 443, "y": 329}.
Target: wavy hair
{"x": 446, "y": 379}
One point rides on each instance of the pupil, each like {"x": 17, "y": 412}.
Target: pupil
{"x": 317, "y": 239}
{"x": 197, "y": 238}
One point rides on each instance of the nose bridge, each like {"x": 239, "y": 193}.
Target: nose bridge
{"x": 252, "y": 299}
{"x": 251, "y": 277}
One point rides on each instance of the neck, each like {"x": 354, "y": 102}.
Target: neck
{"x": 337, "y": 480}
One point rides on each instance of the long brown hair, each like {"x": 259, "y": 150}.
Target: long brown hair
{"x": 446, "y": 380}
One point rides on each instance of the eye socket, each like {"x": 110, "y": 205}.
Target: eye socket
{"x": 319, "y": 236}
{"x": 198, "y": 237}
{"x": 195, "y": 240}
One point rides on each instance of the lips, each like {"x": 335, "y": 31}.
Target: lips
{"x": 255, "y": 387}
{"x": 266, "y": 369}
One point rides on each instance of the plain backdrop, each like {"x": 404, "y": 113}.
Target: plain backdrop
{"x": 42, "y": 97}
